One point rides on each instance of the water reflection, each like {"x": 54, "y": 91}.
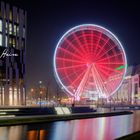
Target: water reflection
{"x": 105, "y": 128}
{"x": 36, "y": 135}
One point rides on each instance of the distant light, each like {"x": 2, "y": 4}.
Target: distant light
{"x": 41, "y": 92}
{"x": 40, "y": 82}
{"x": 2, "y": 113}
{"x": 9, "y": 110}
{"x": 7, "y": 116}
{"x": 32, "y": 89}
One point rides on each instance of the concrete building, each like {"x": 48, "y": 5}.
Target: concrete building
{"x": 129, "y": 92}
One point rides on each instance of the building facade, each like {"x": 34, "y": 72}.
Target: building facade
{"x": 129, "y": 91}
{"x": 12, "y": 55}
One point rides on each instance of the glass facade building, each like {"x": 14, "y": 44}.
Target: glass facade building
{"x": 12, "y": 55}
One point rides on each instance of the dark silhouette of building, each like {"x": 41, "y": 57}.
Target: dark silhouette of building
{"x": 12, "y": 55}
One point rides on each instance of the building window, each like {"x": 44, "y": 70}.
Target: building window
{"x": 10, "y": 96}
{"x": 5, "y": 41}
{"x": 10, "y": 15}
{"x": 10, "y": 42}
{"x": 14, "y": 42}
{"x": 17, "y": 30}
{"x": 10, "y": 28}
{"x": 0, "y": 25}
{"x": 0, "y": 39}
{"x": 23, "y": 32}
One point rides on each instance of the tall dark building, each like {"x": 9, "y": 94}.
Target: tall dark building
{"x": 12, "y": 55}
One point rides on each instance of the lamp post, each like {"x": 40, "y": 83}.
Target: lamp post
{"x": 32, "y": 90}
{"x": 40, "y": 97}
{"x": 40, "y": 91}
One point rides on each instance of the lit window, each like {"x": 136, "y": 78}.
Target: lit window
{"x": 10, "y": 96}
{"x": 14, "y": 42}
{"x": 17, "y": 31}
{"x": 10, "y": 28}
{"x": 0, "y": 25}
{"x": 5, "y": 41}
{"x": 10, "y": 15}
{"x": 10, "y": 42}
{"x": 0, "y": 39}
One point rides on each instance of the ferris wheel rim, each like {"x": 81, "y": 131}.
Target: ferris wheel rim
{"x": 76, "y": 28}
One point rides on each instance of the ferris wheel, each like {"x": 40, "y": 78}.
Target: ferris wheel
{"x": 89, "y": 60}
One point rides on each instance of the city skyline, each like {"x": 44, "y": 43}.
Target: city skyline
{"x": 46, "y": 26}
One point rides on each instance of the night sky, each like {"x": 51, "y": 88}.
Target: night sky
{"x": 49, "y": 20}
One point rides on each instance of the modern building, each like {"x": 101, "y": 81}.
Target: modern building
{"x": 129, "y": 91}
{"x": 12, "y": 55}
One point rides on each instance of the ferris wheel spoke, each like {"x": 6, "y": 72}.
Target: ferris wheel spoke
{"x": 110, "y": 63}
{"x": 98, "y": 81}
{"x": 71, "y": 67}
{"x": 80, "y": 44}
{"x": 97, "y": 45}
{"x": 72, "y": 54}
{"x": 69, "y": 75}
{"x": 74, "y": 48}
{"x": 104, "y": 72}
{"x": 78, "y": 77}
{"x": 81, "y": 87}
{"x": 106, "y": 52}
{"x": 85, "y": 42}
{"x": 68, "y": 60}
{"x": 102, "y": 47}
{"x": 110, "y": 69}
{"x": 112, "y": 56}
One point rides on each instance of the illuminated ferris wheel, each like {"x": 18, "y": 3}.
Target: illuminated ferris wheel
{"x": 89, "y": 61}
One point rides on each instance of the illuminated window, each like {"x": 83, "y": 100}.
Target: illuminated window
{"x": 17, "y": 30}
{"x": 0, "y": 39}
{"x": 10, "y": 15}
{"x": 14, "y": 42}
{"x": 10, "y": 42}
{"x": 10, "y": 96}
{"x": 0, "y": 25}
{"x": 10, "y": 28}
{"x": 15, "y": 96}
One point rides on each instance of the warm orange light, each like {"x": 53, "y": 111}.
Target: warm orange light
{"x": 41, "y": 92}
{"x": 32, "y": 90}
